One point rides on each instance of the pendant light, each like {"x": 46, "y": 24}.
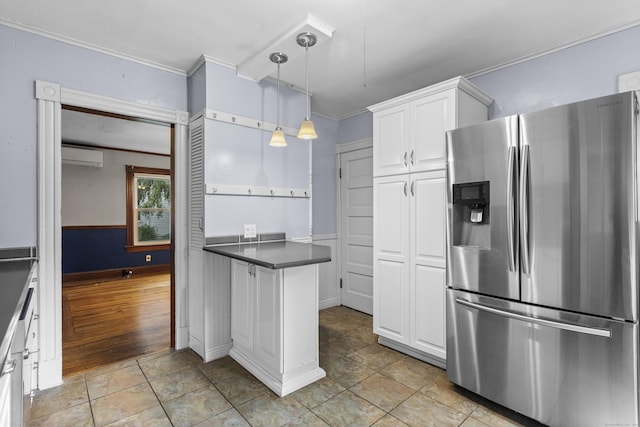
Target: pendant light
{"x": 277, "y": 138}
{"x": 307, "y": 130}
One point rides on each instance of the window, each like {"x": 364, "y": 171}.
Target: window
{"x": 148, "y": 208}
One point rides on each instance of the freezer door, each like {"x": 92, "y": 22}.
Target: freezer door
{"x": 560, "y": 368}
{"x": 578, "y": 207}
{"x": 482, "y": 170}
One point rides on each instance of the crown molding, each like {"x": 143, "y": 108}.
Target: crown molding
{"x": 90, "y": 46}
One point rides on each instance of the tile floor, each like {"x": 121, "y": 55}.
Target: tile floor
{"x": 366, "y": 384}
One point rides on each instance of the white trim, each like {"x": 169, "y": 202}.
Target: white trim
{"x": 338, "y": 229}
{"x": 459, "y": 82}
{"x": 90, "y": 46}
{"x": 49, "y": 237}
{"x": 333, "y": 302}
{"x": 235, "y": 119}
{"x": 354, "y": 145}
{"x": 526, "y": 58}
{"x": 403, "y": 348}
{"x": 118, "y": 106}
{"x": 49, "y": 97}
{"x": 251, "y": 190}
{"x": 319, "y": 237}
{"x": 206, "y": 58}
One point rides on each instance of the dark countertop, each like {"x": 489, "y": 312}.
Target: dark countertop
{"x": 14, "y": 285}
{"x": 282, "y": 254}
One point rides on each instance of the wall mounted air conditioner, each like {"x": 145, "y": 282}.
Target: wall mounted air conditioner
{"x": 81, "y": 157}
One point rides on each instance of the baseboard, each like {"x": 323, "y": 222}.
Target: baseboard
{"x": 333, "y": 302}
{"x": 217, "y": 352}
{"x": 402, "y": 348}
{"x": 113, "y": 273}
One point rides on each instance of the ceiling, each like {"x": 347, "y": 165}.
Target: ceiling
{"x": 379, "y": 49}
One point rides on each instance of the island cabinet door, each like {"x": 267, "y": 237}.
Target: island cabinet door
{"x": 268, "y": 332}
{"x": 242, "y": 305}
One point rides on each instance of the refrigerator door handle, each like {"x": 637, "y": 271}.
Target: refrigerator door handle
{"x": 601, "y": 332}
{"x": 524, "y": 208}
{"x": 511, "y": 231}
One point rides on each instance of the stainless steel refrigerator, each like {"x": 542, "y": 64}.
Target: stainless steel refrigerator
{"x": 542, "y": 297}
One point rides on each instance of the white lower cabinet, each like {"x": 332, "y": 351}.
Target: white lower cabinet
{"x": 274, "y": 324}
{"x": 409, "y": 263}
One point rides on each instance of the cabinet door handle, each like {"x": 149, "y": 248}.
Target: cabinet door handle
{"x": 405, "y": 189}
{"x": 413, "y": 184}
{"x": 412, "y": 158}
{"x": 405, "y": 159}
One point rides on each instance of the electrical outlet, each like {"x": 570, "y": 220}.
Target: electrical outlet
{"x": 249, "y": 231}
{"x": 147, "y": 258}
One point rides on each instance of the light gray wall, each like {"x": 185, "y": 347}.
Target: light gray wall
{"x": 324, "y": 175}
{"x": 97, "y": 196}
{"x": 584, "y": 71}
{"x": 356, "y": 127}
{"x": 237, "y": 155}
{"x": 27, "y": 57}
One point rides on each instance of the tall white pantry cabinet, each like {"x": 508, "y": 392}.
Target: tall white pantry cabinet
{"x": 409, "y": 239}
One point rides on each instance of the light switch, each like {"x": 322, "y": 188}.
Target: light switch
{"x": 249, "y": 231}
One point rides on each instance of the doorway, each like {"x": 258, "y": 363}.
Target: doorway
{"x": 50, "y": 96}
{"x": 356, "y": 229}
{"x": 116, "y": 238}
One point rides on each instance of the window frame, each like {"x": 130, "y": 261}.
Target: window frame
{"x": 131, "y": 222}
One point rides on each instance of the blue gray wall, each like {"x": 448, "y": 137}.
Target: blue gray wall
{"x": 237, "y": 155}
{"x": 27, "y": 57}
{"x": 584, "y": 71}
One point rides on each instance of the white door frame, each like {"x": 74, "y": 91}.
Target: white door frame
{"x": 360, "y": 144}
{"x": 50, "y": 97}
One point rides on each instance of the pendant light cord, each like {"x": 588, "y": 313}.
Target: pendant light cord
{"x": 278, "y": 98}
{"x": 306, "y": 79}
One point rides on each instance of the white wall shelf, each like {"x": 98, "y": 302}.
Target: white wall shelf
{"x": 248, "y": 190}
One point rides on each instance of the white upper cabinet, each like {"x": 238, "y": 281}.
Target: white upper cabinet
{"x": 409, "y": 131}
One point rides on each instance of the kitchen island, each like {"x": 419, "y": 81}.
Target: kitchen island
{"x": 274, "y": 311}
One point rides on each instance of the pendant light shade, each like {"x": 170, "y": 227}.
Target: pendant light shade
{"x": 277, "y": 138}
{"x": 307, "y": 130}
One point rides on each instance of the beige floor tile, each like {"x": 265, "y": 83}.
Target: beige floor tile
{"x": 489, "y": 417}
{"x": 365, "y": 334}
{"x": 421, "y": 410}
{"x": 347, "y": 372}
{"x": 196, "y": 407}
{"x": 240, "y": 387}
{"x": 472, "y": 422}
{"x": 347, "y": 409}
{"x": 111, "y": 367}
{"x": 174, "y": 385}
{"x": 307, "y": 420}
{"x": 411, "y": 372}
{"x": 269, "y": 410}
{"x": 73, "y": 392}
{"x": 376, "y": 356}
{"x": 154, "y": 417}
{"x": 192, "y": 357}
{"x": 344, "y": 344}
{"x": 79, "y": 415}
{"x": 220, "y": 369}
{"x": 318, "y": 392}
{"x": 113, "y": 381}
{"x": 444, "y": 391}
{"x": 230, "y": 418}
{"x": 382, "y": 391}
{"x": 389, "y": 421}
{"x": 163, "y": 365}
{"x": 122, "y": 404}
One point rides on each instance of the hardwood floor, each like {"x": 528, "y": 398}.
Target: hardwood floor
{"x": 104, "y": 322}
